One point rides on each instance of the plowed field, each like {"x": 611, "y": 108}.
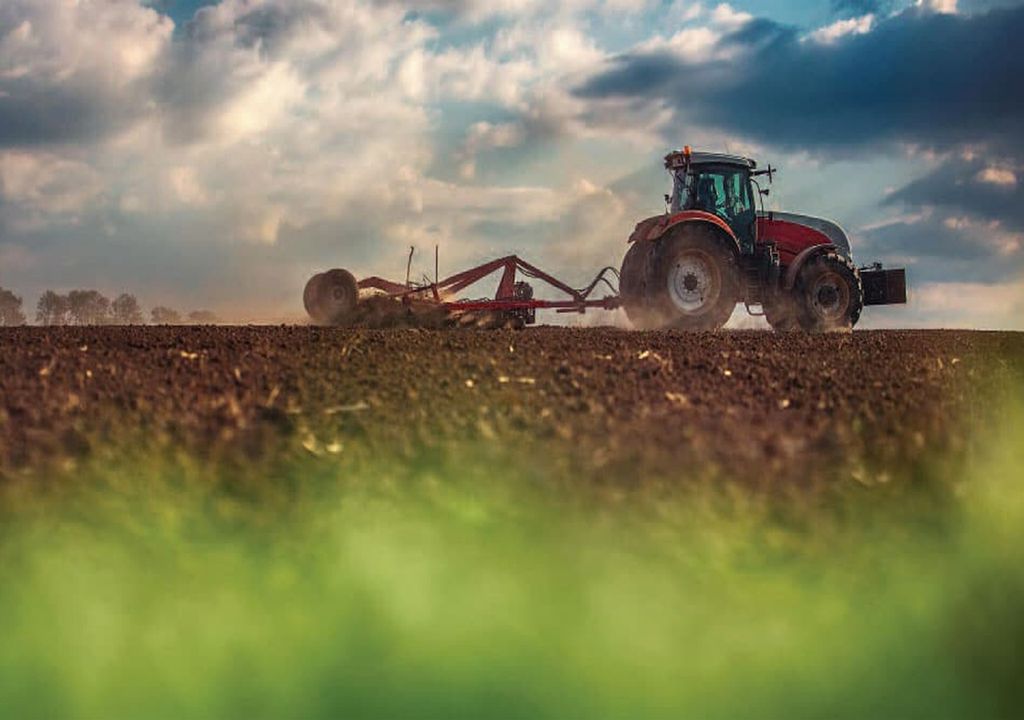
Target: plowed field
{"x": 600, "y": 404}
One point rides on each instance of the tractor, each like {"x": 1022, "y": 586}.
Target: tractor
{"x": 686, "y": 269}
{"x": 689, "y": 267}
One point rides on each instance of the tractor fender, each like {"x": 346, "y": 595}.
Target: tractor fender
{"x": 644, "y": 228}
{"x": 806, "y": 255}
{"x": 658, "y": 226}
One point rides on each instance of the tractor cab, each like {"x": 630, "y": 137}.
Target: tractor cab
{"x": 718, "y": 184}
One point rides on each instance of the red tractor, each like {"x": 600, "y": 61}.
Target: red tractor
{"x": 686, "y": 269}
{"x": 689, "y": 267}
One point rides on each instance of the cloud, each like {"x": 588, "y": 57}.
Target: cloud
{"x": 41, "y": 183}
{"x": 486, "y": 136}
{"x": 945, "y": 248}
{"x": 968, "y": 187}
{"x": 842, "y": 28}
{"x": 982, "y": 306}
{"x": 72, "y": 72}
{"x": 997, "y": 176}
{"x": 920, "y": 77}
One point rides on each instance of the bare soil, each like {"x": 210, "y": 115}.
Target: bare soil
{"x": 601, "y": 405}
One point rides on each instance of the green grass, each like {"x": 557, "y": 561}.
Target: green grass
{"x": 166, "y": 587}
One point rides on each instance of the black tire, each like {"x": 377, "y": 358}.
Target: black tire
{"x": 633, "y": 285}
{"x": 829, "y": 294}
{"x": 695, "y": 283}
{"x": 331, "y": 297}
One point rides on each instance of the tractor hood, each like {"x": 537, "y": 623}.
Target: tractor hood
{"x": 835, "y": 234}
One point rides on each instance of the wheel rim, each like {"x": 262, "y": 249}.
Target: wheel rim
{"x": 829, "y": 297}
{"x": 694, "y": 282}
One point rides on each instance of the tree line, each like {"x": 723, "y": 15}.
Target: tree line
{"x": 91, "y": 307}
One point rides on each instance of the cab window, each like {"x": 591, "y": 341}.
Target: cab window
{"x": 724, "y": 192}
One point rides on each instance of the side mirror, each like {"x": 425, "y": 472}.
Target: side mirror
{"x": 766, "y": 192}
{"x": 769, "y": 171}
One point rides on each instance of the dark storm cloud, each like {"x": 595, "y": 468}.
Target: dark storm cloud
{"x": 633, "y": 75}
{"x": 762, "y": 35}
{"x": 959, "y": 187}
{"x": 32, "y": 114}
{"x": 934, "y": 251}
{"x": 931, "y": 79}
{"x": 54, "y": 91}
{"x": 927, "y": 238}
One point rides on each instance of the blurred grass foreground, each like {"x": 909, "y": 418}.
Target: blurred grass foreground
{"x": 467, "y": 585}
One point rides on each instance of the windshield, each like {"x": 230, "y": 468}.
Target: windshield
{"x": 721, "y": 190}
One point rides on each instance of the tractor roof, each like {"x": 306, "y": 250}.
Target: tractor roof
{"x": 679, "y": 159}
{"x": 705, "y": 158}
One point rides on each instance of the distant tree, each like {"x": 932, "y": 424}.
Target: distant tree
{"x": 88, "y": 307}
{"x": 125, "y": 310}
{"x": 203, "y": 317}
{"x": 10, "y": 309}
{"x": 52, "y": 309}
{"x": 165, "y": 316}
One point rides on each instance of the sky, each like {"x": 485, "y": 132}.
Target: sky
{"x": 217, "y": 154}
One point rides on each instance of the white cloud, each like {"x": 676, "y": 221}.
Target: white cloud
{"x": 904, "y": 219}
{"x": 695, "y": 44}
{"x": 938, "y": 6}
{"x": 41, "y": 184}
{"x": 843, "y": 28}
{"x": 973, "y": 305}
{"x": 988, "y": 233}
{"x": 997, "y": 176}
{"x": 108, "y": 44}
{"x": 727, "y": 17}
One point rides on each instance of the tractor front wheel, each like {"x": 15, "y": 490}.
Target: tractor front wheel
{"x": 829, "y": 294}
{"x": 331, "y": 297}
{"x": 695, "y": 281}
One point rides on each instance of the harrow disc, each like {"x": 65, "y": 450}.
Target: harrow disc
{"x": 331, "y": 297}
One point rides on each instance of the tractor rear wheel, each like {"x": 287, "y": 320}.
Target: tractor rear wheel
{"x": 633, "y": 285}
{"x": 331, "y": 297}
{"x": 829, "y": 294}
{"x": 695, "y": 282}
